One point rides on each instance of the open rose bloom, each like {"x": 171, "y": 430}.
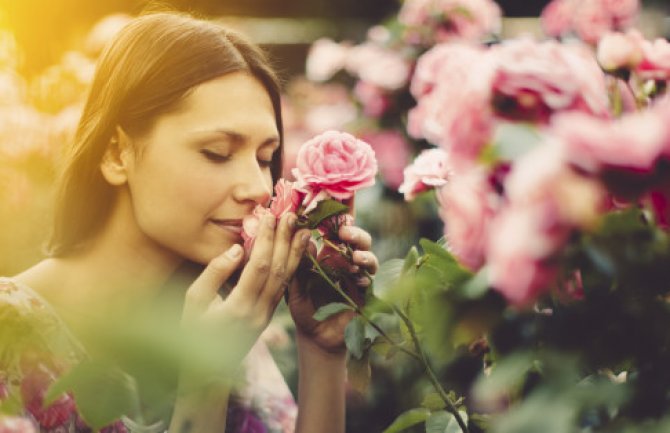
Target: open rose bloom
{"x": 331, "y": 166}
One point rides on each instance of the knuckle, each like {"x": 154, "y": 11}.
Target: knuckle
{"x": 279, "y": 272}
{"x": 262, "y": 267}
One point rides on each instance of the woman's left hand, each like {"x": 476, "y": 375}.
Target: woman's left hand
{"x": 328, "y": 334}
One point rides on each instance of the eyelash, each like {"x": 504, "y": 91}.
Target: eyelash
{"x": 215, "y": 157}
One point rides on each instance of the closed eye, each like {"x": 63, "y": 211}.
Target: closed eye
{"x": 213, "y": 156}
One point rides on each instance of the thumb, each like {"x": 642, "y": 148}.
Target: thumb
{"x": 205, "y": 288}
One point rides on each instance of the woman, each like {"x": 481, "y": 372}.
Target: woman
{"x": 181, "y": 137}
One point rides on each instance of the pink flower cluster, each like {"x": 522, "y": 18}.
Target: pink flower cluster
{"x": 588, "y": 19}
{"x": 516, "y": 222}
{"x": 463, "y": 92}
{"x": 648, "y": 60}
{"x": 332, "y": 165}
{"x": 430, "y": 21}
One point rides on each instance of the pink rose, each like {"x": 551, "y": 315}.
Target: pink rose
{"x": 592, "y": 21}
{"x": 378, "y": 65}
{"x": 374, "y": 100}
{"x": 443, "y": 62}
{"x": 544, "y": 178}
{"x": 635, "y": 142}
{"x": 467, "y": 206}
{"x": 392, "y": 151}
{"x": 453, "y": 109}
{"x": 655, "y": 63}
{"x": 516, "y": 255}
{"x": 429, "y": 170}
{"x": 620, "y": 50}
{"x": 557, "y": 16}
{"x": 534, "y": 80}
{"x": 336, "y": 163}
{"x": 623, "y": 12}
{"x": 286, "y": 199}
{"x": 448, "y": 20}
{"x": 250, "y": 225}
{"x": 325, "y": 59}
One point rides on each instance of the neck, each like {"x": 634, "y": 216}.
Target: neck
{"x": 120, "y": 267}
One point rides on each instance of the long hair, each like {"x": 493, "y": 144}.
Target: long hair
{"x": 146, "y": 71}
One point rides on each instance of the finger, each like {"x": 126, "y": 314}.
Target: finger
{"x": 366, "y": 260}
{"x": 350, "y": 204}
{"x": 356, "y": 236}
{"x": 278, "y": 277}
{"x": 205, "y": 288}
{"x": 257, "y": 269}
{"x": 299, "y": 245}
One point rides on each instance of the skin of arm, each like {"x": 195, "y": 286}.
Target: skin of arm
{"x": 321, "y": 388}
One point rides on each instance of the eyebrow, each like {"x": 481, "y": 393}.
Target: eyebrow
{"x": 238, "y": 138}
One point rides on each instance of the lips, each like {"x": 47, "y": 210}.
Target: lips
{"x": 231, "y": 225}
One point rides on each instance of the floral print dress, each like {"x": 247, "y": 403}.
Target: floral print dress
{"x": 36, "y": 347}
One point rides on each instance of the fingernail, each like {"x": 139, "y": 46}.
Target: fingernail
{"x": 234, "y": 251}
{"x": 291, "y": 221}
{"x": 271, "y": 221}
{"x": 305, "y": 238}
{"x": 354, "y": 269}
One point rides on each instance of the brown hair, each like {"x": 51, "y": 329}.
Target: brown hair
{"x": 146, "y": 71}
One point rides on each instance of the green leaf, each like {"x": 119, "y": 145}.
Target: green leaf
{"x": 476, "y": 286}
{"x": 506, "y": 376}
{"x": 324, "y": 210}
{"x": 358, "y": 373}
{"x": 103, "y": 393}
{"x": 331, "y": 309}
{"x": 408, "y": 419}
{"x": 410, "y": 261}
{"x": 437, "y": 422}
{"x": 387, "y": 276}
{"x": 433, "y": 401}
{"x": 354, "y": 337}
{"x": 433, "y": 248}
{"x": 513, "y": 140}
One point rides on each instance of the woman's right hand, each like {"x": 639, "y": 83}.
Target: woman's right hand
{"x": 242, "y": 316}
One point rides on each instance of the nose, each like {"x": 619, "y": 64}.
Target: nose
{"x": 253, "y": 185}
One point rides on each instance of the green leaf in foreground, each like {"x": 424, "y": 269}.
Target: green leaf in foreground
{"x": 324, "y": 210}
{"x": 331, "y": 309}
{"x": 103, "y": 393}
{"x": 354, "y": 337}
{"x": 408, "y": 419}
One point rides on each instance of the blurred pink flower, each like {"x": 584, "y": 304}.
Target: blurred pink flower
{"x": 620, "y": 50}
{"x": 373, "y": 99}
{"x": 325, "y": 59}
{"x": 623, "y": 12}
{"x": 543, "y": 177}
{"x": 449, "y": 20}
{"x": 655, "y": 63}
{"x": 392, "y": 151}
{"x": 377, "y": 65}
{"x": 443, "y": 62}
{"x": 556, "y": 17}
{"x": 453, "y": 87}
{"x": 336, "y": 163}
{"x": 516, "y": 255}
{"x": 634, "y": 142}
{"x": 429, "y": 170}
{"x": 467, "y": 206}
{"x": 589, "y": 19}
{"x": 15, "y": 424}
{"x": 534, "y": 80}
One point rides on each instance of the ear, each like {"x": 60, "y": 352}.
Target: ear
{"x": 117, "y": 158}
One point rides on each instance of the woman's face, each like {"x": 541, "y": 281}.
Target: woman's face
{"x": 201, "y": 169}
